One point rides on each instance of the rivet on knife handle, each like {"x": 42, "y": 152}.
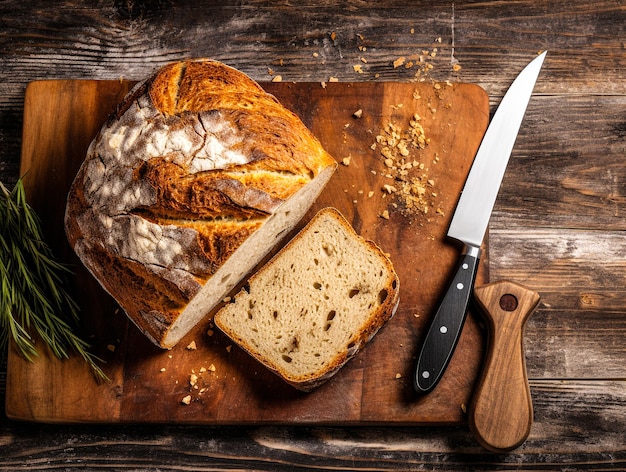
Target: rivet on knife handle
{"x": 501, "y": 412}
{"x": 446, "y": 325}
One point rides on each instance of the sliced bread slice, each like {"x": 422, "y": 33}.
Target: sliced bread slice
{"x": 315, "y": 304}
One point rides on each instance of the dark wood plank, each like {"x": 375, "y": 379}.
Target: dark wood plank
{"x": 571, "y": 150}
{"x": 258, "y": 37}
{"x": 578, "y": 330}
{"x": 568, "y": 165}
{"x": 490, "y": 40}
{"x": 578, "y": 426}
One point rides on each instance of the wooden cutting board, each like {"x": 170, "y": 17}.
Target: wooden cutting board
{"x": 148, "y": 384}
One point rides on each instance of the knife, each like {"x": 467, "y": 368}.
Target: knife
{"x": 469, "y": 224}
{"x": 501, "y": 411}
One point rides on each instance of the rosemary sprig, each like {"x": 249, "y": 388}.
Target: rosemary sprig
{"x": 32, "y": 296}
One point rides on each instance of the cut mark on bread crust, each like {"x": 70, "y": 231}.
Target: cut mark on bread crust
{"x": 181, "y": 76}
{"x": 192, "y": 220}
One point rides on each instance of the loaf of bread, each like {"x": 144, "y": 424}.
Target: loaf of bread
{"x": 187, "y": 186}
{"x": 315, "y": 304}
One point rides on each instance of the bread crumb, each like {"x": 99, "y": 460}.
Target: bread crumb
{"x": 346, "y": 160}
{"x": 385, "y": 214}
{"x": 463, "y": 408}
{"x": 358, "y": 113}
{"x": 228, "y": 348}
{"x": 399, "y": 146}
{"x": 192, "y": 346}
{"x": 333, "y": 79}
{"x": 277, "y": 78}
{"x": 212, "y": 368}
{"x": 357, "y": 68}
{"x": 186, "y": 400}
{"x": 162, "y": 369}
{"x": 193, "y": 380}
{"x": 315, "y": 54}
{"x": 210, "y": 332}
{"x": 398, "y": 376}
{"x": 398, "y": 62}
{"x": 111, "y": 347}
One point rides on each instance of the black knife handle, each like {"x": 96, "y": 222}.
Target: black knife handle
{"x": 446, "y": 325}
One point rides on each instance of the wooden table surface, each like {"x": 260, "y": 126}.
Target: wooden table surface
{"x": 558, "y": 226}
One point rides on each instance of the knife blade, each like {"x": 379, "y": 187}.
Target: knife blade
{"x": 469, "y": 224}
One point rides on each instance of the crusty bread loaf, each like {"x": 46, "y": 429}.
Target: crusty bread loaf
{"x": 315, "y": 304}
{"x": 187, "y": 186}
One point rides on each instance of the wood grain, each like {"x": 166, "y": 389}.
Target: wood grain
{"x": 558, "y": 441}
{"x": 148, "y": 384}
{"x": 501, "y": 411}
{"x": 117, "y": 40}
{"x": 557, "y": 228}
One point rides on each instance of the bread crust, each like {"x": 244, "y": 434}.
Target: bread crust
{"x": 191, "y": 163}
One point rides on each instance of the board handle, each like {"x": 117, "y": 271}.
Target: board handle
{"x": 501, "y": 411}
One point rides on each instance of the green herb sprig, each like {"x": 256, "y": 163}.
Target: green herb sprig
{"x": 32, "y": 297}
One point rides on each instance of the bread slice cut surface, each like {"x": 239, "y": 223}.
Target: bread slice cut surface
{"x": 315, "y": 304}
